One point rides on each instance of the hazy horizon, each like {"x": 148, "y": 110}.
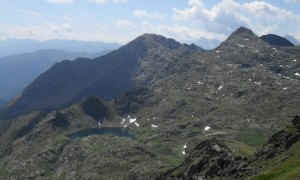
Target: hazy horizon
{"x": 121, "y": 21}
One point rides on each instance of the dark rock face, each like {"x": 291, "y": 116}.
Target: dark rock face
{"x": 281, "y": 141}
{"x": 132, "y": 101}
{"x": 296, "y": 122}
{"x": 209, "y": 160}
{"x": 276, "y": 40}
{"x": 60, "y": 121}
{"x": 96, "y": 108}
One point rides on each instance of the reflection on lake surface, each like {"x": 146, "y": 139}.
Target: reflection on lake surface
{"x": 114, "y": 131}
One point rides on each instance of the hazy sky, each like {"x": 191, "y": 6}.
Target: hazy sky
{"x": 123, "y": 20}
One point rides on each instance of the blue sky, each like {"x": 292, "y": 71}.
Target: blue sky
{"x": 123, "y": 20}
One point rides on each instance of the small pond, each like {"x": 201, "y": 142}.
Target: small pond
{"x": 114, "y": 131}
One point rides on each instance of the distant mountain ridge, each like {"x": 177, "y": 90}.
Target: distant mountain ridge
{"x": 141, "y": 62}
{"x": 17, "y": 46}
{"x": 17, "y": 71}
{"x": 292, "y": 39}
{"x": 276, "y": 40}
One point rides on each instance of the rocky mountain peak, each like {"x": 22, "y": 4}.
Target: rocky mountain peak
{"x": 241, "y": 38}
{"x": 243, "y": 30}
{"x": 153, "y": 40}
{"x": 242, "y": 33}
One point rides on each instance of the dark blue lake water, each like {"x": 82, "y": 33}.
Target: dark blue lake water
{"x": 114, "y": 131}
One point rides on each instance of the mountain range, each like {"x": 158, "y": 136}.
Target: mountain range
{"x": 18, "y": 71}
{"x": 195, "y": 114}
{"x": 10, "y": 47}
{"x": 139, "y": 63}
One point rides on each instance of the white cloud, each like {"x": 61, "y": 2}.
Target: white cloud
{"x": 60, "y": 1}
{"x": 196, "y": 3}
{"x": 68, "y": 19}
{"x": 29, "y": 12}
{"x": 119, "y": 1}
{"x": 125, "y": 24}
{"x": 106, "y": 1}
{"x": 257, "y": 15}
{"x": 41, "y": 32}
{"x": 65, "y": 27}
{"x": 183, "y": 33}
{"x": 180, "y": 33}
{"x": 292, "y": 1}
{"x": 141, "y": 13}
{"x": 100, "y": 1}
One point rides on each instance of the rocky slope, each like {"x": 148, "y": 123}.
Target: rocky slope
{"x": 213, "y": 109}
{"x": 36, "y": 146}
{"x": 141, "y": 62}
{"x": 213, "y": 159}
{"x": 17, "y": 71}
{"x": 245, "y": 89}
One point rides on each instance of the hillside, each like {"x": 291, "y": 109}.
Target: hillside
{"x": 18, "y": 71}
{"x": 141, "y": 62}
{"x": 193, "y": 113}
{"x": 37, "y": 146}
{"x": 245, "y": 89}
{"x": 278, "y": 158}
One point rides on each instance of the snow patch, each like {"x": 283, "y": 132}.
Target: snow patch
{"x": 206, "y": 128}
{"x": 285, "y": 88}
{"x": 258, "y": 83}
{"x": 123, "y": 120}
{"x": 185, "y": 146}
{"x": 295, "y": 60}
{"x": 154, "y": 126}
{"x": 297, "y": 74}
{"x": 137, "y": 125}
{"x": 183, "y": 152}
{"x": 240, "y": 45}
{"x": 132, "y": 120}
{"x": 220, "y": 88}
